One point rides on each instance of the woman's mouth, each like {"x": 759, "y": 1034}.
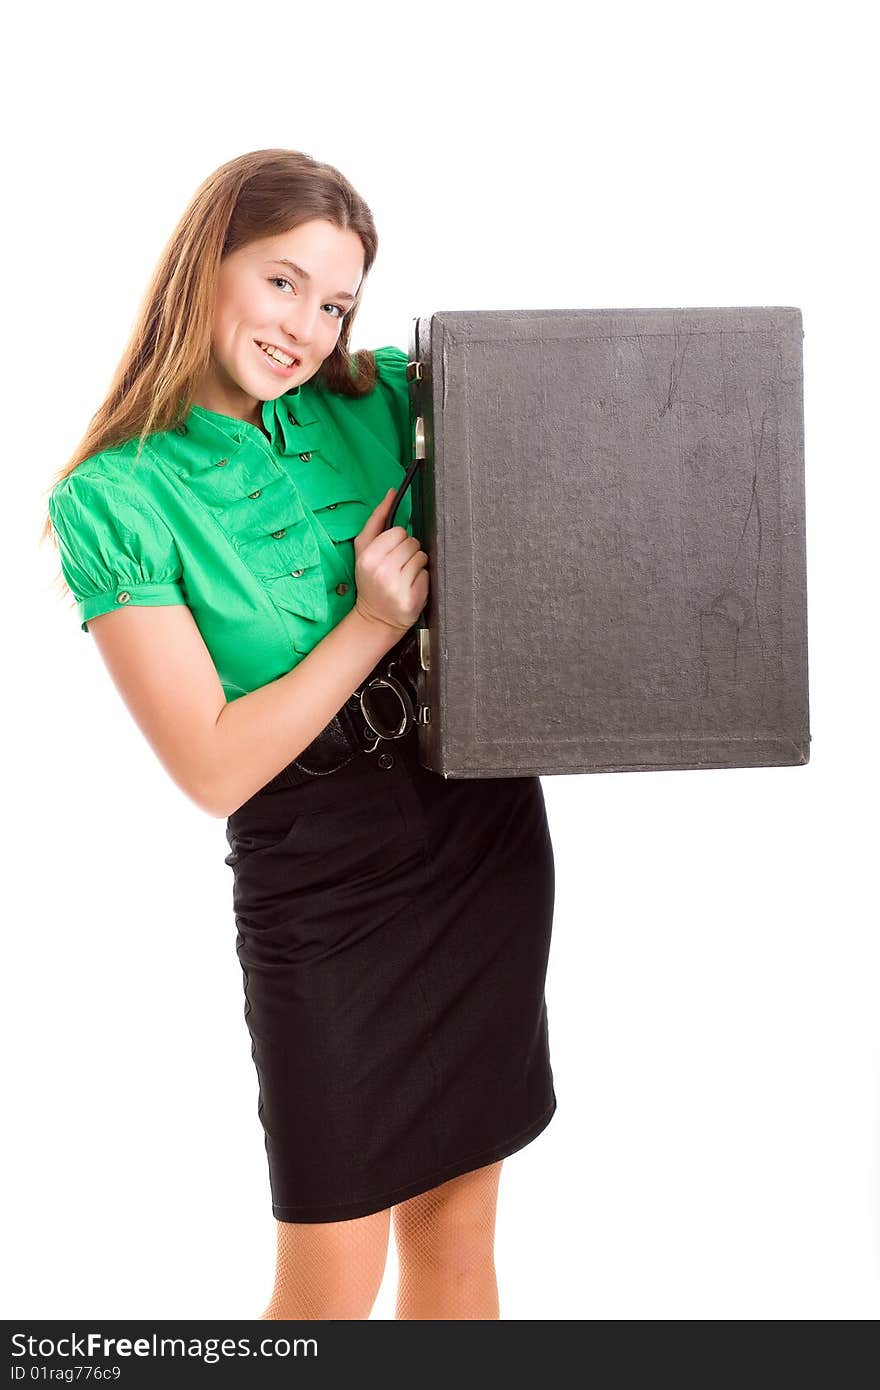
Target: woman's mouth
{"x": 282, "y": 362}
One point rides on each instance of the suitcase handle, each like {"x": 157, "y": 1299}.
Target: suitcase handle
{"x": 400, "y": 494}
{"x": 414, "y": 372}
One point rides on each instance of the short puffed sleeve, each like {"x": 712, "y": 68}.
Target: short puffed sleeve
{"x": 115, "y": 548}
{"x": 391, "y": 364}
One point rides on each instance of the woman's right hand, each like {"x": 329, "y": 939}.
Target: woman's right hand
{"x": 390, "y": 574}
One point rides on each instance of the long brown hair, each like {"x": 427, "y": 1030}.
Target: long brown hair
{"x": 256, "y": 195}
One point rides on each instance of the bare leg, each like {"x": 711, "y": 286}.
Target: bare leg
{"x": 445, "y": 1243}
{"x": 329, "y": 1270}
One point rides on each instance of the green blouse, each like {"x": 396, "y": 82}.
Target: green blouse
{"x": 256, "y": 535}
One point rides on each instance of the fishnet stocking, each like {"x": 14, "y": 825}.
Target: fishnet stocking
{"x": 445, "y": 1244}
{"x": 329, "y": 1269}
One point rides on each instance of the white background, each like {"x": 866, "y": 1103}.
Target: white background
{"x": 713, "y": 978}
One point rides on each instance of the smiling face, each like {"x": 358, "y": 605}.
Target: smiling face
{"x": 263, "y": 300}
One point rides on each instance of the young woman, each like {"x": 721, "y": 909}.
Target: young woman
{"x": 222, "y": 529}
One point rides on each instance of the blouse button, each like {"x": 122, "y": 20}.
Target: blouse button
{"x": 181, "y": 429}
{"x": 296, "y": 573}
{"x": 342, "y": 588}
{"x": 255, "y": 494}
{"x": 386, "y": 760}
{"x": 332, "y": 506}
{"x": 124, "y": 597}
{"x": 305, "y": 457}
{"x": 276, "y": 535}
{"x": 221, "y": 463}
{"x": 291, "y": 417}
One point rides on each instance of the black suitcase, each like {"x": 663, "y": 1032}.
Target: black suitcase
{"x": 612, "y": 501}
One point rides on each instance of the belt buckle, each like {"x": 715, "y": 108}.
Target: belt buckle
{"x": 374, "y": 722}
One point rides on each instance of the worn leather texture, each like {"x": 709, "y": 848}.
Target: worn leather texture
{"x": 612, "y": 501}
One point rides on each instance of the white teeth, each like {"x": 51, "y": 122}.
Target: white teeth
{"x": 279, "y": 356}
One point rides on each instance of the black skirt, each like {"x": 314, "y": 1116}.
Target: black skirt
{"x": 393, "y": 932}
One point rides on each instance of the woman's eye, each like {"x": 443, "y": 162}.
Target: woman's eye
{"x": 283, "y": 280}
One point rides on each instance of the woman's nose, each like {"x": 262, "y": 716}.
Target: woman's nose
{"x": 299, "y": 323}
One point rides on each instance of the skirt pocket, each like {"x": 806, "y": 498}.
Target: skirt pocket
{"x": 247, "y": 841}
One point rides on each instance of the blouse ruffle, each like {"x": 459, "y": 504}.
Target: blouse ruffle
{"x": 284, "y": 510}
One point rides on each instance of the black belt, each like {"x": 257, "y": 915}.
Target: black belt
{"x": 384, "y": 708}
